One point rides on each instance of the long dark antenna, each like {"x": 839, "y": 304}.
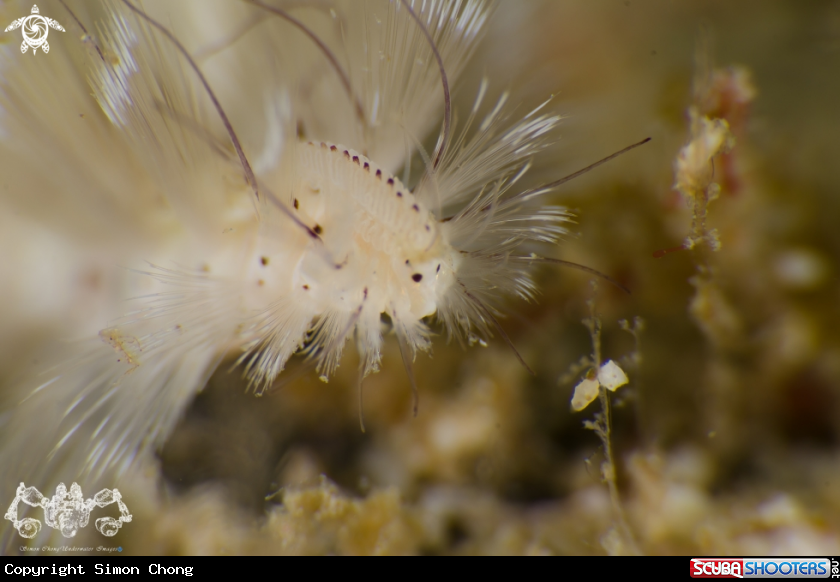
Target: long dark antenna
{"x": 409, "y": 369}
{"x": 492, "y": 319}
{"x": 447, "y": 100}
{"x": 82, "y": 26}
{"x": 551, "y": 185}
{"x": 570, "y": 264}
{"x": 246, "y": 167}
{"x": 342, "y": 74}
{"x": 360, "y": 380}
{"x": 561, "y": 181}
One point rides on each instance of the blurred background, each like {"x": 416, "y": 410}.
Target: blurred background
{"x": 724, "y": 442}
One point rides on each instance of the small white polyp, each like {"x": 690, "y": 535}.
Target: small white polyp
{"x": 610, "y": 376}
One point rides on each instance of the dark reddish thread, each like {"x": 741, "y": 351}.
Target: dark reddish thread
{"x": 447, "y": 101}
{"x": 249, "y": 173}
{"x": 343, "y": 77}
{"x": 555, "y": 184}
{"x": 662, "y": 252}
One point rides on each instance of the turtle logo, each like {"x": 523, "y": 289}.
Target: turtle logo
{"x": 35, "y": 31}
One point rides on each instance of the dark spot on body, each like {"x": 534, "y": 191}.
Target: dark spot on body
{"x": 379, "y": 174}
{"x": 356, "y": 159}
{"x": 390, "y": 181}
{"x": 346, "y": 154}
{"x": 92, "y": 279}
{"x": 306, "y": 287}
{"x": 318, "y": 229}
{"x": 260, "y": 282}
{"x": 415, "y": 208}
{"x": 428, "y": 228}
{"x": 399, "y": 194}
{"x": 333, "y": 148}
{"x": 264, "y": 261}
{"x": 417, "y": 277}
{"x": 438, "y": 269}
{"x": 296, "y": 204}
{"x": 367, "y": 166}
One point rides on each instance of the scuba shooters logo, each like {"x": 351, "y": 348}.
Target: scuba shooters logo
{"x": 763, "y": 568}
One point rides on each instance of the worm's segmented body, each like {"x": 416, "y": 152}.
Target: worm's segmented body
{"x": 378, "y": 250}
